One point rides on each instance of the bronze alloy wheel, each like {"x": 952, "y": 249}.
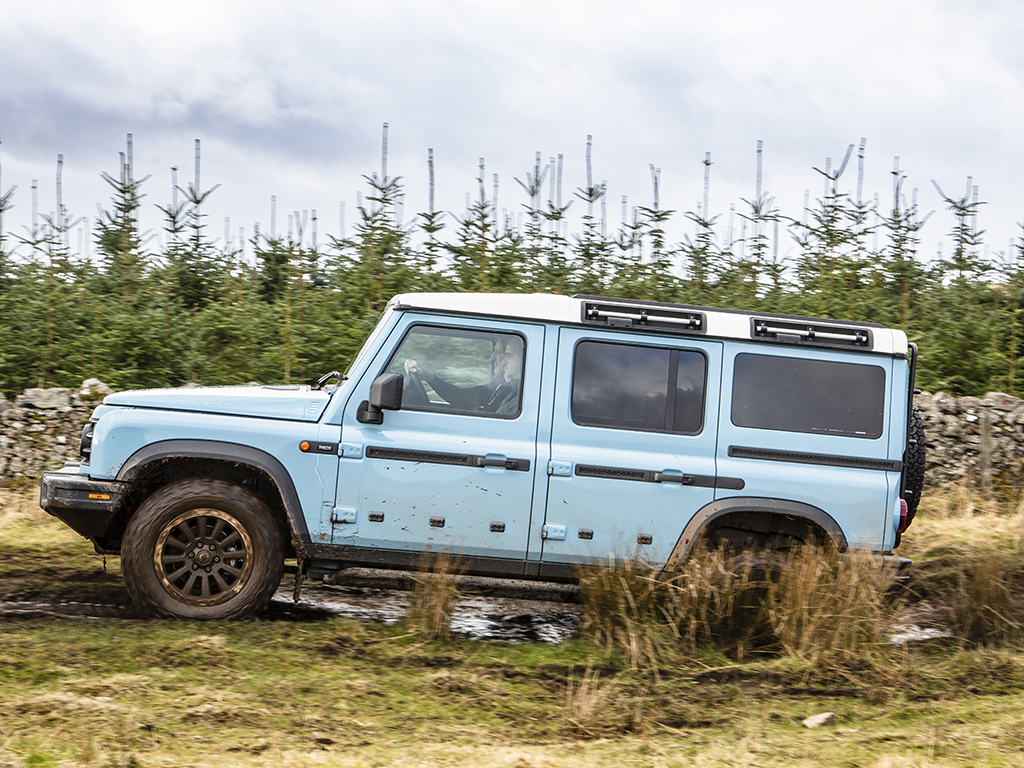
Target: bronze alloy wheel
{"x": 203, "y": 549}
{"x": 203, "y": 556}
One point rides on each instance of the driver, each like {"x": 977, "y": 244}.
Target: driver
{"x": 506, "y": 397}
{"x": 469, "y": 398}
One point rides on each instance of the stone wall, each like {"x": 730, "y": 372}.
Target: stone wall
{"x": 972, "y": 440}
{"x": 41, "y": 430}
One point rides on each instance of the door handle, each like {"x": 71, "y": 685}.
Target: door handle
{"x": 496, "y": 460}
{"x": 673, "y": 476}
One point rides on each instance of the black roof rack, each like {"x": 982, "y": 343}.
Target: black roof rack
{"x": 816, "y": 334}
{"x": 644, "y": 316}
{"x": 659, "y": 305}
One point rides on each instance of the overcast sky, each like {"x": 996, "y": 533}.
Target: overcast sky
{"x": 289, "y": 100}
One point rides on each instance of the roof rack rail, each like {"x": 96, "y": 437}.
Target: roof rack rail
{"x": 644, "y": 316}
{"x": 818, "y": 334}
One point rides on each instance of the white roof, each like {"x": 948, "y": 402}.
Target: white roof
{"x": 555, "y": 308}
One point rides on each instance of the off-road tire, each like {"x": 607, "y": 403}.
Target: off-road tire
{"x": 914, "y": 464}
{"x": 760, "y": 566}
{"x": 759, "y": 572}
{"x": 202, "y": 549}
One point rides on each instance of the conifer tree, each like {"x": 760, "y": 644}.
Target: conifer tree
{"x": 899, "y": 259}
{"x": 118, "y": 240}
{"x": 700, "y": 259}
{"x": 592, "y": 251}
{"x": 533, "y": 236}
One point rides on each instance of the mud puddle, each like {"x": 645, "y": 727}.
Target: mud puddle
{"x": 919, "y": 621}
{"x": 27, "y": 609}
{"x": 479, "y": 617}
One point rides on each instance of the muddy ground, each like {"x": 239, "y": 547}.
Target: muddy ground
{"x": 521, "y": 613}
{"x": 100, "y": 594}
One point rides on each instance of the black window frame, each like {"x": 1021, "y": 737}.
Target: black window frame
{"x": 454, "y": 330}
{"x": 670, "y": 384}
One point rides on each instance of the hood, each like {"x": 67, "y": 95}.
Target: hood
{"x": 294, "y": 403}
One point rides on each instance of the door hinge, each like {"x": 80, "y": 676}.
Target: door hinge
{"x": 340, "y": 515}
{"x": 553, "y": 532}
{"x": 560, "y": 468}
{"x": 352, "y": 450}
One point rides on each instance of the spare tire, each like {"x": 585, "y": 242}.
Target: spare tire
{"x": 913, "y": 463}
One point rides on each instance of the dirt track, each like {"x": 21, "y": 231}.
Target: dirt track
{"x": 501, "y": 619}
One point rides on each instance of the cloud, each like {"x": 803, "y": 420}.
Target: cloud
{"x": 290, "y": 100}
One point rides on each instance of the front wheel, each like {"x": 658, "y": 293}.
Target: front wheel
{"x": 202, "y": 549}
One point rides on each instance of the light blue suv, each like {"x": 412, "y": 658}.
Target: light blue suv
{"x": 526, "y": 435}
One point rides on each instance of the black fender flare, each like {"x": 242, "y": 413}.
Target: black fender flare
{"x": 232, "y": 453}
{"x": 709, "y": 513}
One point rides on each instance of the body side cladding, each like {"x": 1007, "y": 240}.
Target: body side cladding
{"x": 233, "y": 453}
{"x": 717, "y": 509}
{"x": 823, "y": 459}
{"x": 340, "y": 556}
{"x": 329, "y": 558}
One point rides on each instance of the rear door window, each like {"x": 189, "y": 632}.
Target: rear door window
{"x": 623, "y": 386}
{"x": 819, "y": 397}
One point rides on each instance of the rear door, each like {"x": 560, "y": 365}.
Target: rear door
{"x": 632, "y": 444}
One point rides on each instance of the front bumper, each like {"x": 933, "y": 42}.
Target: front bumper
{"x": 85, "y": 505}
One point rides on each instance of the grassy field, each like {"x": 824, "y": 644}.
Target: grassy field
{"x": 278, "y": 691}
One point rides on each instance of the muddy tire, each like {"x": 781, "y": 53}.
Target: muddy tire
{"x": 914, "y": 463}
{"x": 202, "y": 549}
{"x": 758, "y": 567}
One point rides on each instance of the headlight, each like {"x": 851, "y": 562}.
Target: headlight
{"x": 86, "y": 446}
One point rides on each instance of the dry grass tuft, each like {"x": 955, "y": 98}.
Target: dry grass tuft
{"x": 20, "y": 506}
{"x": 985, "y": 602}
{"x": 585, "y": 699}
{"x": 833, "y": 609}
{"x": 957, "y": 515}
{"x": 805, "y": 603}
{"x": 624, "y": 611}
{"x": 433, "y": 597}
{"x": 968, "y": 558}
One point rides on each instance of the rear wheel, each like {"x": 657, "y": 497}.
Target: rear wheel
{"x": 202, "y": 549}
{"x": 752, "y": 581}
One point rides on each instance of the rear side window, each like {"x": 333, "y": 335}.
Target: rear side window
{"x": 653, "y": 389}
{"x": 815, "y": 396}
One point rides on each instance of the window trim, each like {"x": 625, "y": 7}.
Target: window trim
{"x": 670, "y": 383}
{"x": 456, "y": 330}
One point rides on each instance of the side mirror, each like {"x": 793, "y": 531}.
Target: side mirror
{"x": 385, "y": 395}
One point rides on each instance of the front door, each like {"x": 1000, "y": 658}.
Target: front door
{"x": 453, "y": 470}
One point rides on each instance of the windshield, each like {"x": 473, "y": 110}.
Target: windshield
{"x": 370, "y": 343}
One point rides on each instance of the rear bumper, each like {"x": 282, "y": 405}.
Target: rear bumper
{"x": 85, "y": 505}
